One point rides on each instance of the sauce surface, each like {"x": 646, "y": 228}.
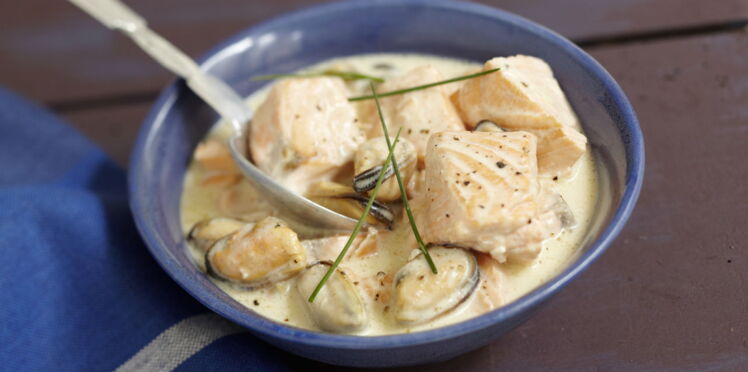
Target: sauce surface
{"x": 282, "y": 303}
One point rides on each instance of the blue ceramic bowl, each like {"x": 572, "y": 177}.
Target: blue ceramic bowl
{"x": 179, "y": 120}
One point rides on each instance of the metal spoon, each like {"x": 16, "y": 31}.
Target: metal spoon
{"x": 305, "y": 216}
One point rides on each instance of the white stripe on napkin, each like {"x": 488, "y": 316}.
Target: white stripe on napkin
{"x": 173, "y": 346}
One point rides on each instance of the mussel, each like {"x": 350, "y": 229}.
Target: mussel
{"x": 345, "y": 201}
{"x": 420, "y": 295}
{"x": 487, "y": 126}
{"x": 338, "y": 307}
{"x": 208, "y": 231}
{"x": 369, "y": 161}
{"x": 257, "y": 255}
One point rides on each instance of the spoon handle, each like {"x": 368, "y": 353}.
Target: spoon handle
{"x": 220, "y": 96}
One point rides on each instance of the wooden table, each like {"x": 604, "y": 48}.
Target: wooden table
{"x": 671, "y": 293}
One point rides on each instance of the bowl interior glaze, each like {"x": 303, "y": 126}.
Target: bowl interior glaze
{"x": 179, "y": 120}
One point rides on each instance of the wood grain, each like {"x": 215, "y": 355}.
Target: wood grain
{"x": 53, "y": 53}
{"x": 671, "y": 293}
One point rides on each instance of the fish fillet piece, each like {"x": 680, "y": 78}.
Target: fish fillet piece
{"x": 524, "y": 95}
{"x": 304, "y": 131}
{"x": 420, "y": 113}
{"x": 483, "y": 192}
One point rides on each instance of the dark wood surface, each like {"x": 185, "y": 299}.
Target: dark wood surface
{"x": 672, "y": 291}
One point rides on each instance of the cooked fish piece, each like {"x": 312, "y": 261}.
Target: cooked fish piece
{"x": 420, "y": 113}
{"x": 482, "y": 192}
{"x": 219, "y": 168}
{"x": 488, "y": 295}
{"x": 257, "y": 254}
{"x": 368, "y": 163}
{"x": 524, "y": 95}
{"x": 304, "y": 131}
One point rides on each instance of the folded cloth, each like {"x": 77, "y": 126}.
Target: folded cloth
{"x": 78, "y": 289}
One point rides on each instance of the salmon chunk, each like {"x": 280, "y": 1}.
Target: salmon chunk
{"x": 524, "y": 95}
{"x": 483, "y": 192}
{"x": 304, "y": 131}
{"x": 420, "y": 113}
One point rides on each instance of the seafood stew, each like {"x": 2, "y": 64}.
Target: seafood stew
{"x": 499, "y": 176}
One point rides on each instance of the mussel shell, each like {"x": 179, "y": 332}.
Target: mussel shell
{"x": 257, "y": 255}
{"x": 353, "y": 205}
{"x": 420, "y": 295}
{"x": 367, "y": 179}
{"x": 206, "y": 232}
{"x": 487, "y": 126}
{"x": 338, "y": 307}
{"x": 368, "y": 163}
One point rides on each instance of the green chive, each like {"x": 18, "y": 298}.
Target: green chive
{"x": 403, "y": 195}
{"x": 419, "y": 87}
{"x": 341, "y": 74}
{"x": 357, "y": 228}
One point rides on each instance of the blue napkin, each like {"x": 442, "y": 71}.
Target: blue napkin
{"x": 78, "y": 289}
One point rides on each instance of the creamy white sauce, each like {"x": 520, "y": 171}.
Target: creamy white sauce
{"x": 281, "y": 302}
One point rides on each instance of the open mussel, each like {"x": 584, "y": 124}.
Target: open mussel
{"x": 368, "y": 163}
{"x": 345, "y": 201}
{"x": 338, "y": 307}
{"x": 257, "y": 255}
{"x": 420, "y": 295}
{"x": 208, "y": 231}
{"x": 487, "y": 126}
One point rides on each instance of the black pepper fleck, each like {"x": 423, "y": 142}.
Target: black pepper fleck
{"x": 555, "y": 178}
{"x": 517, "y": 173}
{"x": 500, "y": 164}
{"x": 257, "y": 303}
{"x": 447, "y": 215}
{"x": 466, "y": 183}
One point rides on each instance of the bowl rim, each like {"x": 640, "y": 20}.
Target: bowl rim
{"x": 634, "y": 151}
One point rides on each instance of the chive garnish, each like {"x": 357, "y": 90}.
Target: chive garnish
{"x": 403, "y": 194}
{"x": 357, "y": 228}
{"x": 424, "y": 86}
{"x": 341, "y": 74}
